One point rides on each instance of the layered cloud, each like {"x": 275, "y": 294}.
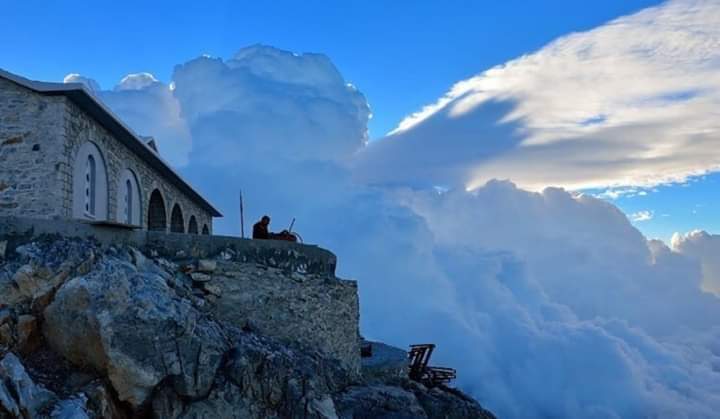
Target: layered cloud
{"x": 549, "y": 304}
{"x": 633, "y": 102}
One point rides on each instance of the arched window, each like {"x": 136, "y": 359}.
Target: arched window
{"x": 205, "y": 230}
{"x": 157, "y": 218}
{"x": 177, "y": 223}
{"x": 128, "y": 199}
{"x": 89, "y": 184}
{"x": 192, "y": 225}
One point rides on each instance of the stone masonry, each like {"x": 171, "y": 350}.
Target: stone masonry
{"x": 30, "y": 140}
{"x": 319, "y": 312}
{"x": 40, "y": 137}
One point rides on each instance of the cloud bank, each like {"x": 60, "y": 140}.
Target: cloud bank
{"x": 634, "y": 102}
{"x": 550, "y": 304}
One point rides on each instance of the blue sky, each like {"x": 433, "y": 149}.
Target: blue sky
{"x": 401, "y": 55}
{"x": 694, "y": 205}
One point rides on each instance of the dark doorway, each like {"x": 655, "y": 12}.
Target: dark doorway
{"x": 157, "y": 218}
{"x": 177, "y": 223}
{"x": 206, "y": 230}
{"x": 192, "y": 225}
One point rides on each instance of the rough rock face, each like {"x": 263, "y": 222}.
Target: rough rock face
{"x": 130, "y": 326}
{"x": 313, "y": 311}
{"x": 261, "y": 379}
{"x": 90, "y": 332}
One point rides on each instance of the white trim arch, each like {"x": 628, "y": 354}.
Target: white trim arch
{"x": 129, "y": 207}
{"x": 90, "y": 186}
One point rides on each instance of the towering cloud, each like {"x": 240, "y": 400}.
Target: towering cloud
{"x": 298, "y": 107}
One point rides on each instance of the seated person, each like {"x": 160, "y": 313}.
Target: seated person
{"x": 260, "y": 229}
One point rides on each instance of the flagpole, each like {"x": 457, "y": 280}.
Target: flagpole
{"x": 242, "y": 217}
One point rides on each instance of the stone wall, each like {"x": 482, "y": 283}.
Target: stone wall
{"x": 317, "y": 312}
{"x": 79, "y": 128}
{"x": 31, "y": 181}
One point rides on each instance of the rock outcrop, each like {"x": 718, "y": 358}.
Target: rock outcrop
{"x": 114, "y": 332}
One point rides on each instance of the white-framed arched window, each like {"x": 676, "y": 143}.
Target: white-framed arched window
{"x": 89, "y": 187}
{"x": 128, "y": 199}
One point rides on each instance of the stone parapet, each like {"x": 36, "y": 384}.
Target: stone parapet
{"x": 286, "y": 256}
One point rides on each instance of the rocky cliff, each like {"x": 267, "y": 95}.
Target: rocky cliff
{"x": 91, "y": 331}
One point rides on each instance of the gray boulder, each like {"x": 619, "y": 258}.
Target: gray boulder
{"x": 200, "y": 277}
{"x": 206, "y": 265}
{"x": 20, "y": 397}
{"x": 132, "y": 327}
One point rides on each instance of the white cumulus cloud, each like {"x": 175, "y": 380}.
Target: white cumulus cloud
{"x": 641, "y": 216}
{"x": 137, "y": 81}
{"x": 634, "y": 102}
{"x": 298, "y": 104}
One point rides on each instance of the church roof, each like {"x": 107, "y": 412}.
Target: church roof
{"x": 87, "y": 101}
